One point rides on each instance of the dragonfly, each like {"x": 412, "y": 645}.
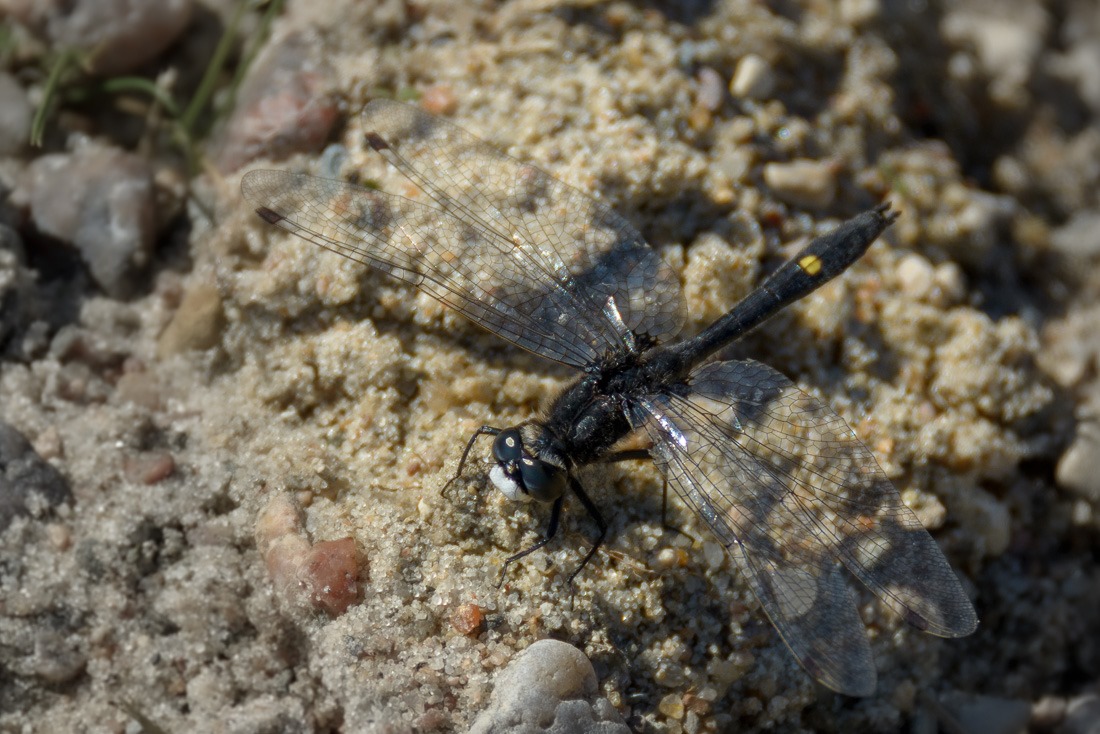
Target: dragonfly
{"x": 790, "y": 491}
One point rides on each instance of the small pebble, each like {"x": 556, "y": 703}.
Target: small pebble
{"x": 283, "y": 557}
{"x": 123, "y": 34}
{"x": 148, "y": 468}
{"x": 23, "y": 475}
{"x": 284, "y": 107}
{"x": 468, "y": 619}
{"x": 753, "y": 78}
{"x": 279, "y": 518}
{"x": 991, "y": 521}
{"x": 48, "y": 444}
{"x": 714, "y": 554}
{"x": 950, "y": 282}
{"x": 668, "y": 558}
{"x": 59, "y": 536}
{"x": 331, "y": 575}
{"x": 804, "y": 183}
{"x": 439, "y": 99}
{"x": 551, "y": 681}
{"x": 858, "y": 12}
{"x": 101, "y": 200}
{"x": 672, "y": 706}
{"x": 1048, "y": 713}
{"x": 711, "y": 89}
{"x": 915, "y": 276}
{"x": 1079, "y": 238}
{"x": 698, "y": 704}
{"x": 1079, "y": 467}
{"x": 281, "y": 542}
{"x": 331, "y": 162}
{"x": 140, "y": 388}
{"x": 196, "y": 324}
{"x": 1007, "y": 45}
{"x": 328, "y": 572}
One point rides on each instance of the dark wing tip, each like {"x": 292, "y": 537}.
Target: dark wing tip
{"x": 268, "y": 215}
{"x": 375, "y": 141}
{"x": 957, "y": 618}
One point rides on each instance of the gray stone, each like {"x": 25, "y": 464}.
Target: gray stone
{"x": 101, "y": 200}
{"x": 549, "y": 687}
{"x": 24, "y": 476}
{"x": 119, "y": 35}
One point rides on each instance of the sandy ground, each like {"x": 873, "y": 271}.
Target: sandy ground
{"x": 255, "y": 396}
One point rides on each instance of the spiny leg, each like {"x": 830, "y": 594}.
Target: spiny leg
{"x": 551, "y": 531}
{"x": 483, "y": 431}
{"x": 594, "y": 511}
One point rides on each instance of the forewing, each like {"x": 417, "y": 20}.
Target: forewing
{"x": 508, "y": 288}
{"x": 800, "y": 587}
{"x": 592, "y": 251}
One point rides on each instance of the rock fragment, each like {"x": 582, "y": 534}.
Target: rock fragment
{"x": 101, "y": 200}
{"x": 26, "y": 480}
{"x": 549, "y": 687}
{"x": 284, "y": 107}
{"x": 116, "y": 35}
{"x": 803, "y": 182}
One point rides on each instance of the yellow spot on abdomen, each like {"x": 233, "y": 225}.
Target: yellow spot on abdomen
{"x": 810, "y": 263}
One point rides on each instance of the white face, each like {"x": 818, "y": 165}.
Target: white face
{"x": 507, "y": 487}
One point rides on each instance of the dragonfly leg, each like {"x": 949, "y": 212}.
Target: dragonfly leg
{"x": 665, "y": 524}
{"x": 483, "y": 431}
{"x": 594, "y": 511}
{"x": 551, "y": 531}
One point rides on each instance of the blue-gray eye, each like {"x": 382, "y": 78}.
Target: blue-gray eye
{"x": 508, "y": 446}
{"x": 544, "y": 483}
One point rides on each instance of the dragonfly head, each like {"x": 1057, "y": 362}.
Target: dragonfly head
{"x": 521, "y": 476}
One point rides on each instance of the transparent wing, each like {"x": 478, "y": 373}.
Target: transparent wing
{"x": 792, "y": 492}
{"x": 588, "y": 248}
{"x": 503, "y": 286}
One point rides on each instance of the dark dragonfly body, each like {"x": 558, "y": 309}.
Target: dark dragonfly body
{"x": 781, "y": 480}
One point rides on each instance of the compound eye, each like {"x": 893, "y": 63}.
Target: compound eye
{"x": 508, "y": 446}
{"x": 544, "y": 483}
